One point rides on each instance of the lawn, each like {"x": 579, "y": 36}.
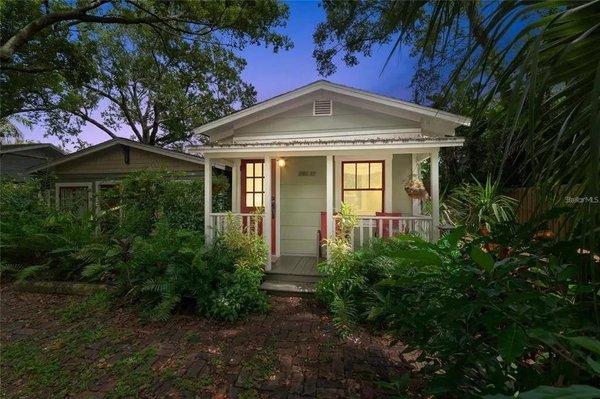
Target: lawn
{"x": 68, "y": 346}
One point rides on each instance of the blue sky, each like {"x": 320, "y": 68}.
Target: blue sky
{"x": 273, "y": 74}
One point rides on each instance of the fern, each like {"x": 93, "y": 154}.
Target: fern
{"x": 30, "y": 271}
{"x": 345, "y": 315}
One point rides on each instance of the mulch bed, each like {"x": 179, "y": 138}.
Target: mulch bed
{"x": 54, "y": 347}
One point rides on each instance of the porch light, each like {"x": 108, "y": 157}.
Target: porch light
{"x": 281, "y": 162}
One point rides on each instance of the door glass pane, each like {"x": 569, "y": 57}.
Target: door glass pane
{"x": 249, "y": 169}
{"x": 249, "y": 185}
{"x": 376, "y": 175}
{"x": 349, "y": 175}
{"x": 258, "y": 184}
{"x": 258, "y": 170}
{"x": 258, "y": 200}
{"x": 364, "y": 202}
{"x": 249, "y": 200}
{"x": 362, "y": 175}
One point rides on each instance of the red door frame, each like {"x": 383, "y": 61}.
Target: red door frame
{"x": 247, "y": 209}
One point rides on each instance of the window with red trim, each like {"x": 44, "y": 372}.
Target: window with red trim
{"x": 363, "y": 187}
{"x": 254, "y": 189}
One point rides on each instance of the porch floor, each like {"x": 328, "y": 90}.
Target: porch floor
{"x": 295, "y": 265}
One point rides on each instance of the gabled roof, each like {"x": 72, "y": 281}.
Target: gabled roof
{"x": 339, "y": 89}
{"x": 121, "y": 141}
{"x": 12, "y": 148}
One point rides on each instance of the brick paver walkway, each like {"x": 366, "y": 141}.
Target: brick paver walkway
{"x": 291, "y": 352}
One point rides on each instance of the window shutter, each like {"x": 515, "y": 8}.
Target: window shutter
{"x": 322, "y": 107}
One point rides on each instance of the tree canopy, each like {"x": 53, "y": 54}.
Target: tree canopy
{"x": 540, "y": 60}
{"x": 156, "y": 67}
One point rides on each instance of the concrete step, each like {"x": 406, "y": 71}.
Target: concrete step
{"x": 288, "y": 287}
{"x": 300, "y": 278}
{"x": 290, "y": 283}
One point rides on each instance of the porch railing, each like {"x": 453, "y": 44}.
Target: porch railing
{"x": 248, "y": 222}
{"x": 369, "y": 227}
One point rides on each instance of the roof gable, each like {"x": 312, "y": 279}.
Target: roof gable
{"x": 427, "y": 117}
{"x": 124, "y": 142}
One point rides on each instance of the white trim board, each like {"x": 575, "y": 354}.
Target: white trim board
{"x": 312, "y": 135}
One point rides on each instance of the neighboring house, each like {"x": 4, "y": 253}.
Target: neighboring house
{"x": 325, "y": 143}
{"x": 83, "y": 174}
{"x": 17, "y": 159}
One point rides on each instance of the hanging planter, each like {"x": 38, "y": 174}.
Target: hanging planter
{"x": 415, "y": 188}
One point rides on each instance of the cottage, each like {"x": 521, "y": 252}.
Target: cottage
{"x": 16, "y": 160}
{"x": 297, "y": 156}
{"x": 81, "y": 176}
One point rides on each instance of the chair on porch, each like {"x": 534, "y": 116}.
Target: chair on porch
{"x": 385, "y": 229}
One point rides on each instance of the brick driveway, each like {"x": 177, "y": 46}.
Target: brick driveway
{"x": 291, "y": 352}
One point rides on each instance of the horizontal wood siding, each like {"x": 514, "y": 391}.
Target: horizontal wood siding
{"x": 302, "y": 200}
{"x": 111, "y": 161}
{"x": 343, "y": 118}
{"x": 401, "y": 172}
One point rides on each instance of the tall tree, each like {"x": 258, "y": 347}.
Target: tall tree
{"x": 158, "y": 86}
{"x": 57, "y": 66}
{"x": 540, "y": 57}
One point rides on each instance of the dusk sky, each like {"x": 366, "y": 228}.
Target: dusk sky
{"x": 273, "y": 74}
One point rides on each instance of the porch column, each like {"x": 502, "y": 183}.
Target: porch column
{"x": 329, "y": 198}
{"x": 416, "y": 203}
{"x": 208, "y": 233}
{"x": 235, "y": 186}
{"x": 268, "y": 208}
{"x": 435, "y": 194}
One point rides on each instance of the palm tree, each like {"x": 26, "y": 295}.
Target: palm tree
{"x": 539, "y": 58}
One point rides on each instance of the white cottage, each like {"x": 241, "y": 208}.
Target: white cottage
{"x": 304, "y": 152}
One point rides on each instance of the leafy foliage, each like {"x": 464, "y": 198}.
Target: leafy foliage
{"x": 477, "y": 205}
{"x": 538, "y": 60}
{"x": 162, "y": 67}
{"x": 146, "y": 240}
{"x": 491, "y": 314}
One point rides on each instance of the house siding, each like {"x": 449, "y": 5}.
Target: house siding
{"x": 401, "y": 172}
{"x": 344, "y": 118}
{"x": 111, "y": 161}
{"x": 302, "y": 199}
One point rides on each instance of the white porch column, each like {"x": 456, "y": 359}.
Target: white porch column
{"x": 416, "y": 203}
{"x": 435, "y": 193}
{"x": 329, "y": 198}
{"x": 235, "y": 186}
{"x": 208, "y": 233}
{"x": 268, "y": 209}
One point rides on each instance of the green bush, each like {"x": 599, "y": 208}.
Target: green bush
{"x": 498, "y": 321}
{"x": 38, "y": 241}
{"x": 146, "y": 240}
{"x": 162, "y": 271}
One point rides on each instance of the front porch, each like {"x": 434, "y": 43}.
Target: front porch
{"x": 302, "y": 191}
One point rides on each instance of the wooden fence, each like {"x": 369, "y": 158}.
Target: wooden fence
{"x": 531, "y": 205}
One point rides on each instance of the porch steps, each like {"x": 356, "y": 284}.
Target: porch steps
{"x": 289, "y": 283}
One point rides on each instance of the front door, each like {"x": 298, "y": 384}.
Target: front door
{"x": 252, "y": 198}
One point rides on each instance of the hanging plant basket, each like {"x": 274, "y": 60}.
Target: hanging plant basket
{"x": 415, "y": 189}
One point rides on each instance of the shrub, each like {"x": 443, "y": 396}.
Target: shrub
{"x": 235, "y": 268}
{"x": 500, "y": 321}
{"x": 143, "y": 198}
{"x": 37, "y": 240}
{"x": 475, "y": 205}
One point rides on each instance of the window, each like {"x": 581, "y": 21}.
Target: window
{"x": 74, "y": 197}
{"x": 254, "y": 189}
{"x": 363, "y": 186}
